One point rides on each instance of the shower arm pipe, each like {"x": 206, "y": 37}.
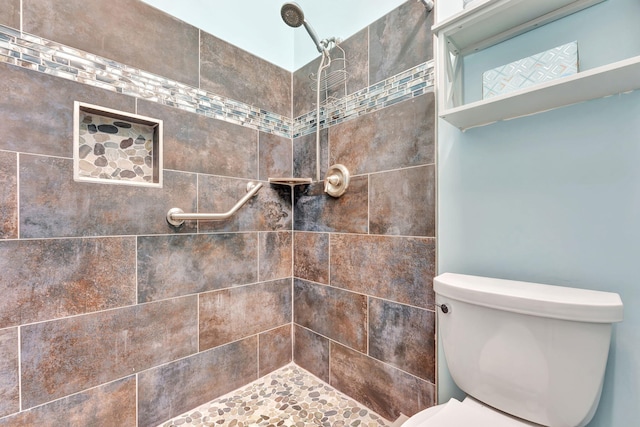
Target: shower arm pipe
{"x": 177, "y": 217}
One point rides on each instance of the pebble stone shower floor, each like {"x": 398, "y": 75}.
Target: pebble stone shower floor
{"x": 288, "y": 397}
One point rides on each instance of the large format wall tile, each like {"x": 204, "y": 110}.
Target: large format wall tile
{"x": 275, "y": 156}
{"x": 274, "y": 349}
{"x": 384, "y": 389}
{"x": 304, "y": 155}
{"x": 10, "y": 13}
{"x": 311, "y": 256}
{"x": 128, "y": 31}
{"x": 403, "y": 336}
{"x": 231, "y": 314}
{"x": 395, "y": 137}
{"x": 356, "y": 51}
{"x": 170, "y": 266}
{"x": 234, "y": 73}
{"x": 269, "y": 210}
{"x": 172, "y": 389}
{"x": 195, "y": 143}
{"x": 275, "y": 255}
{"x": 311, "y": 351}
{"x": 317, "y": 211}
{"x": 110, "y": 405}
{"x": 356, "y": 48}
{"x": 334, "y": 313}
{"x": 399, "y": 41}
{"x": 403, "y": 202}
{"x": 47, "y": 279}
{"x": 304, "y": 86}
{"x": 9, "y": 381}
{"x": 396, "y": 268}
{"x": 37, "y": 110}
{"x": 53, "y": 205}
{"x": 69, "y": 355}
{"x": 8, "y": 195}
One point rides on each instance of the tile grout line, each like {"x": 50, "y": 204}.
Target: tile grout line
{"x": 18, "y": 195}
{"x": 137, "y": 397}
{"x": 20, "y": 369}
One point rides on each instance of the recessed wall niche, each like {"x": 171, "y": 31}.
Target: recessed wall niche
{"x": 116, "y": 147}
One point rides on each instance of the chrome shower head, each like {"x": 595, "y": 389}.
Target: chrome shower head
{"x": 293, "y": 16}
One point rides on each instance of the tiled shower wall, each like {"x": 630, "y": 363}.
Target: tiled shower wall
{"x": 364, "y": 263}
{"x": 109, "y": 314}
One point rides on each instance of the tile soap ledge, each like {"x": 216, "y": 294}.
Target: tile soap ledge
{"x": 290, "y": 181}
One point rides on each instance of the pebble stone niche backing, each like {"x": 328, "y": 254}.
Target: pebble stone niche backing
{"x": 288, "y": 397}
{"x": 114, "y": 149}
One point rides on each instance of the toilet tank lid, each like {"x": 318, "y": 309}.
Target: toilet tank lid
{"x": 558, "y": 302}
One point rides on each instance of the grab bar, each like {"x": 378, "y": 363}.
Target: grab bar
{"x": 177, "y": 217}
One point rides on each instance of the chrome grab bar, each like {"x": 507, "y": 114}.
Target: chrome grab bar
{"x": 177, "y": 217}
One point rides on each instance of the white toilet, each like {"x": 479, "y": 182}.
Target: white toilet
{"x": 526, "y": 354}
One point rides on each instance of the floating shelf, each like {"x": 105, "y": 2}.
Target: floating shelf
{"x": 611, "y": 79}
{"x": 490, "y": 22}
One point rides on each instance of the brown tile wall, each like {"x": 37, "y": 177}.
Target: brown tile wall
{"x": 112, "y": 404}
{"x": 99, "y": 287}
{"x": 364, "y": 263}
{"x": 127, "y": 31}
{"x": 232, "y": 314}
{"x": 274, "y": 349}
{"x": 9, "y": 381}
{"x": 234, "y": 73}
{"x": 10, "y": 14}
{"x": 100, "y": 296}
{"x": 185, "y": 384}
{"x": 8, "y": 195}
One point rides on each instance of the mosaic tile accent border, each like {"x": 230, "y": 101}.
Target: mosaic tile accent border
{"x": 413, "y": 82}
{"x": 39, "y": 54}
{"x": 45, "y": 56}
{"x": 288, "y": 397}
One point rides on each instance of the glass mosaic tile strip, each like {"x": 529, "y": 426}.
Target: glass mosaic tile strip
{"x": 38, "y": 54}
{"x": 45, "y": 56}
{"x": 408, "y": 84}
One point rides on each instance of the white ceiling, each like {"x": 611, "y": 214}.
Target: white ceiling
{"x": 256, "y": 26}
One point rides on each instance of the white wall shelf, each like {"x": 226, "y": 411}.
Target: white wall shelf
{"x": 611, "y": 79}
{"x": 489, "y": 22}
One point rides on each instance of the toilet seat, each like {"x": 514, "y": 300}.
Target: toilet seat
{"x": 468, "y": 413}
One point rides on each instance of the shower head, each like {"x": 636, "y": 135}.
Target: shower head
{"x": 293, "y": 16}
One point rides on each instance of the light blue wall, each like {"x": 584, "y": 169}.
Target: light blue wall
{"x": 555, "y": 197}
{"x": 256, "y": 26}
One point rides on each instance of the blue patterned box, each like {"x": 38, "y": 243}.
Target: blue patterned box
{"x": 552, "y": 64}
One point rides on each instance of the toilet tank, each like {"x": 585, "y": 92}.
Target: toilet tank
{"x": 534, "y": 351}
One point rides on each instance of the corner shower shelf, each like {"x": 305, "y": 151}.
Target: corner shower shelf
{"x": 492, "y": 21}
{"x": 290, "y": 181}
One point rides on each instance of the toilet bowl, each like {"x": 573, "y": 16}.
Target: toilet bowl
{"x": 525, "y": 354}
